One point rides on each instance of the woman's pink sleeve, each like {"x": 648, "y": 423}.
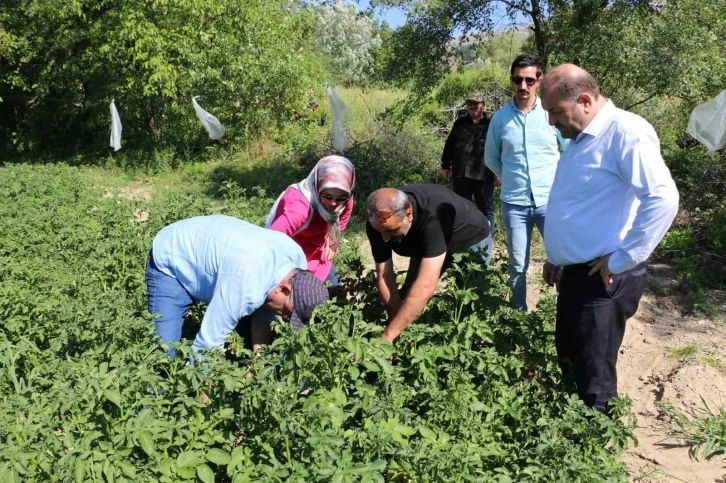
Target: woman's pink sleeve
{"x": 347, "y": 212}
{"x": 293, "y": 211}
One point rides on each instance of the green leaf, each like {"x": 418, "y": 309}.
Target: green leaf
{"x": 127, "y": 468}
{"x": 427, "y": 433}
{"x": 113, "y": 396}
{"x": 188, "y": 458}
{"x": 80, "y": 470}
{"x": 354, "y": 372}
{"x": 218, "y": 456}
{"x": 371, "y": 366}
{"x": 186, "y": 472}
{"x": 205, "y": 473}
{"x": 146, "y": 440}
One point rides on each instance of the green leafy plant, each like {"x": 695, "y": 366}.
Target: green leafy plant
{"x": 471, "y": 392}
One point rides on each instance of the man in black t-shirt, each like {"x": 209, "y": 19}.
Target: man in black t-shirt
{"x": 428, "y": 223}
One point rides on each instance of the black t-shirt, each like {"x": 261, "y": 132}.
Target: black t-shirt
{"x": 442, "y": 222}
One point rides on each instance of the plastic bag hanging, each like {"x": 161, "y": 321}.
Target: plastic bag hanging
{"x": 708, "y": 123}
{"x": 210, "y": 123}
{"x": 340, "y": 113}
{"x": 115, "y": 127}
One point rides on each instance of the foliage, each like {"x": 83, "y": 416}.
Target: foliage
{"x": 442, "y": 34}
{"x": 704, "y": 431}
{"x": 61, "y": 63}
{"x": 696, "y": 243}
{"x": 395, "y": 156}
{"x": 348, "y": 40}
{"x": 636, "y": 54}
{"x": 473, "y": 392}
{"x": 447, "y": 99}
{"x": 501, "y": 48}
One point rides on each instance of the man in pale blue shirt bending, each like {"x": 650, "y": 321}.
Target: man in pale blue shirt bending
{"x": 522, "y": 150}
{"x": 244, "y": 272}
{"x": 612, "y": 201}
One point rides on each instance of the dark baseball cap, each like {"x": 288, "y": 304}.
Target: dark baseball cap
{"x": 307, "y": 293}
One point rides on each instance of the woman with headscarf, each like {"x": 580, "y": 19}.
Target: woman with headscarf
{"x": 315, "y": 211}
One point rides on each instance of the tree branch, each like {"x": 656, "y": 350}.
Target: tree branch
{"x": 641, "y": 102}
{"x": 515, "y": 6}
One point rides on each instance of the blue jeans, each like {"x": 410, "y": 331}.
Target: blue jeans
{"x": 518, "y": 223}
{"x": 170, "y": 300}
{"x": 333, "y": 277}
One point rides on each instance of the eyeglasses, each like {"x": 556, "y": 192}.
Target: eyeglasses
{"x": 472, "y": 103}
{"x": 529, "y": 80}
{"x": 339, "y": 199}
{"x": 382, "y": 215}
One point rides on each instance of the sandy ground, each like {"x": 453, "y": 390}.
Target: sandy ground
{"x": 649, "y": 372}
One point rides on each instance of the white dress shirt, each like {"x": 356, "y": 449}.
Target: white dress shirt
{"x": 612, "y": 194}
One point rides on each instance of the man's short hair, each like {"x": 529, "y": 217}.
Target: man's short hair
{"x": 528, "y": 60}
{"x": 570, "y": 87}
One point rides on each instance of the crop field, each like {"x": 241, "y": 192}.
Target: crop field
{"x": 471, "y": 392}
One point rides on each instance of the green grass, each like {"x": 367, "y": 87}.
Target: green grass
{"x": 681, "y": 353}
{"x": 710, "y": 361}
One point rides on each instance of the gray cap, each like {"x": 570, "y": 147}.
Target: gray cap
{"x": 475, "y": 96}
{"x": 307, "y": 293}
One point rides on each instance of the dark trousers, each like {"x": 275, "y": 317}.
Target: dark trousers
{"x": 590, "y": 328}
{"x": 481, "y": 191}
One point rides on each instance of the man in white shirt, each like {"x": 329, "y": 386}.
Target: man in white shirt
{"x": 612, "y": 201}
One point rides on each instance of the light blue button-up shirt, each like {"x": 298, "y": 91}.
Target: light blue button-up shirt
{"x": 522, "y": 150}
{"x": 613, "y": 194}
{"x": 228, "y": 263}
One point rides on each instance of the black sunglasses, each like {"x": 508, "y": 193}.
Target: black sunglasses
{"x": 529, "y": 80}
{"x": 339, "y": 199}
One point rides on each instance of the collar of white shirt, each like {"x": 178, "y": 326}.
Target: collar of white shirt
{"x": 599, "y": 122}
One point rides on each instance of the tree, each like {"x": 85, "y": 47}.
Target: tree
{"x": 644, "y": 50}
{"x": 348, "y": 41}
{"x": 62, "y": 62}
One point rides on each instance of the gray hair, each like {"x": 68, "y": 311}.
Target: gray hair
{"x": 388, "y": 199}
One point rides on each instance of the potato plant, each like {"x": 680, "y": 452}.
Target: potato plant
{"x": 471, "y": 392}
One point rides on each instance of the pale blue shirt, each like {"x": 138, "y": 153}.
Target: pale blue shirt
{"x": 522, "y": 150}
{"x": 612, "y": 193}
{"x": 228, "y": 263}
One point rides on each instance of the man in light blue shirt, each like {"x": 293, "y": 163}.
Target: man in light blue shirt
{"x": 522, "y": 150}
{"x": 238, "y": 269}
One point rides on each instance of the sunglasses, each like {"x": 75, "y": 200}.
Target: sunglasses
{"x": 339, "y": 199}
{"x": 382, "y": 215}
{"x": 529, "y": 80}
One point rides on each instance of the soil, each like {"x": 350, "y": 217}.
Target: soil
{"x": 650, "y": 370}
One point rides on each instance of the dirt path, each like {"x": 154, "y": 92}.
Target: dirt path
{"x": 665, "y": 356}
{"x": 655, "y": 365}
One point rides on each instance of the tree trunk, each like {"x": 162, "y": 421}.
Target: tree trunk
{"x": 539, "y": 34}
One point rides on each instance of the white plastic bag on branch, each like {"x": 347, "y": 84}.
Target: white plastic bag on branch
{"x": 708, "y": 123}
{"x": 115, "y": 127}
{"x": 210, "y": 123}
{"x": 340, "y": 113}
